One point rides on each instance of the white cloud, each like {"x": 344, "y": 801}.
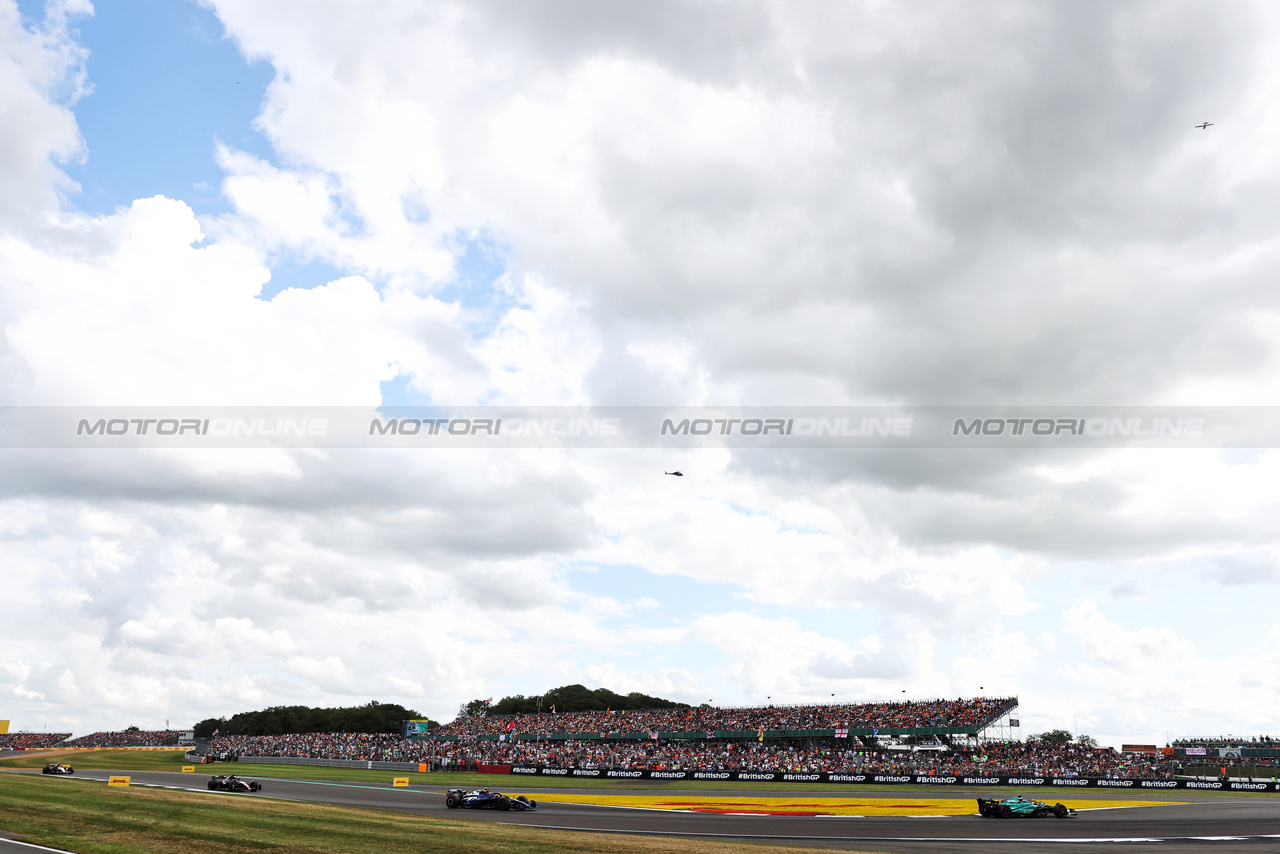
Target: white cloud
{"x": 691, "y": 203}
{"x": 41, "y": 71}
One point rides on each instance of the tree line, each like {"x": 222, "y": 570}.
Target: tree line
{"x": 567, "y": 698}
{"x": 288, "y": 720}
{"x": 1062, "y": 736}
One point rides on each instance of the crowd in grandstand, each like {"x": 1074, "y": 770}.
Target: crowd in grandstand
{"x": 31, "y": 740}
{"x": 972, "y": 712}
{"x": 127, "y": 738}
{"x": 1259, "y": 741}
{"x": 1010, "y": 758}
{"x": 988, "y": 759}
{"x": 377, "y": 746}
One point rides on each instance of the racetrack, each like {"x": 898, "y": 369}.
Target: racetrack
{"x": 1201, "y": 823}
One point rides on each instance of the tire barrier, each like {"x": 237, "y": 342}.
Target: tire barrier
{"x": 892, "y": 779}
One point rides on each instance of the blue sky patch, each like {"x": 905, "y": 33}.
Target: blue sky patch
{"x": 166, "y": 86}
{"x": 292, "y": 272}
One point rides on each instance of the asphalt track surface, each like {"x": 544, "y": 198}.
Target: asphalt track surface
{"x": 1204, "y": 824}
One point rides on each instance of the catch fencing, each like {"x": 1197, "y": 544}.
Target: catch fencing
{"x": 332, "y": 763}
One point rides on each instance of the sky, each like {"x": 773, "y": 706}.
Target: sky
{"x": 669, "y": 203}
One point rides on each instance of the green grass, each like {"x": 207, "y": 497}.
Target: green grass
{"x": 103, "y": 760}
{"x": 86, "y": 816}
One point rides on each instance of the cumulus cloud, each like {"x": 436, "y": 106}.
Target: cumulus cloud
{"x": 688, "y": 203}
{"x": 41, "y": 73}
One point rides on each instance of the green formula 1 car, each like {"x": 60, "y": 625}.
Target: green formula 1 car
{"x": 1020, "y": 806}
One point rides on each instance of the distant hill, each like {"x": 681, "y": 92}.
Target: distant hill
{"x": 283, "y": 720}
{"x": 567, "y": 698}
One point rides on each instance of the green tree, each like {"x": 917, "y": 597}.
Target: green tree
{"x": 474, "y": 709}
{"x": 280, "y": 720}
{"x": 567, "y": 698}
{"x": 1086, "y": 741}
{"x": 1053, "y": 736}
{"x": 205, "y": 728}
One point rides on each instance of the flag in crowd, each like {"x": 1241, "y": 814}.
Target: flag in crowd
{"x": 842, "y": 733}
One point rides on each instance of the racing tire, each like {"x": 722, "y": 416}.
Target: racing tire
{"x": 1005, "y": 811}
{"x": 504, "y": 805}
{"x": 45, "y": 771}
{"x": 212, "y": 786}
{"x": 533, "y": 804}
{"x": 70, "y": 770}
{"x": 451, "y": 802}
{"x": 1059, "y": 811}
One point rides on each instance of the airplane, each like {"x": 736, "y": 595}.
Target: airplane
{"x": 1205, "y": 125}
{"x": 675, "y": 473}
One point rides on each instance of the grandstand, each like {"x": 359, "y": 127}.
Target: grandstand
{"x": 954, "y": 719}
{"x": 833, "y": 736}
{"x": 128, "y": 738}
{"x": 32, "y": 740}
{"x": 1241, "y": 747}
{"x": 931, "y": 737}
{"x": 833, "y": 755}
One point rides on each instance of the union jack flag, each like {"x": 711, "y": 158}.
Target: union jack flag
{"x": 842, "y": 733}
{"x": 653, "y": 736}
{"x": 711, "y": 734}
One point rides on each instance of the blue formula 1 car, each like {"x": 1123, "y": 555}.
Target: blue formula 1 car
{"x": 1020, "y": 806}
{"x": 483, "y": 799}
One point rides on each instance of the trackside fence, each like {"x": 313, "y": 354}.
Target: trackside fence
{"x": 894, "y": 779}
{"x": 374, "y": 765}
{"x": 331, "y": 763}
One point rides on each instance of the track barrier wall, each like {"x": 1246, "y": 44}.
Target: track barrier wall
{"x": 892, "y": 779}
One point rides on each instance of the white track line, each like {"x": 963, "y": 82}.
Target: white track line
{"x": 4, "y": 841}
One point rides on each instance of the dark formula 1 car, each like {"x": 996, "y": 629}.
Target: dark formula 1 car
{"x": 232, "y": 783}
{"x": 483, "y": 799}
{"x": 55, "y": 768}
{"x": 1020, "y": 806}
